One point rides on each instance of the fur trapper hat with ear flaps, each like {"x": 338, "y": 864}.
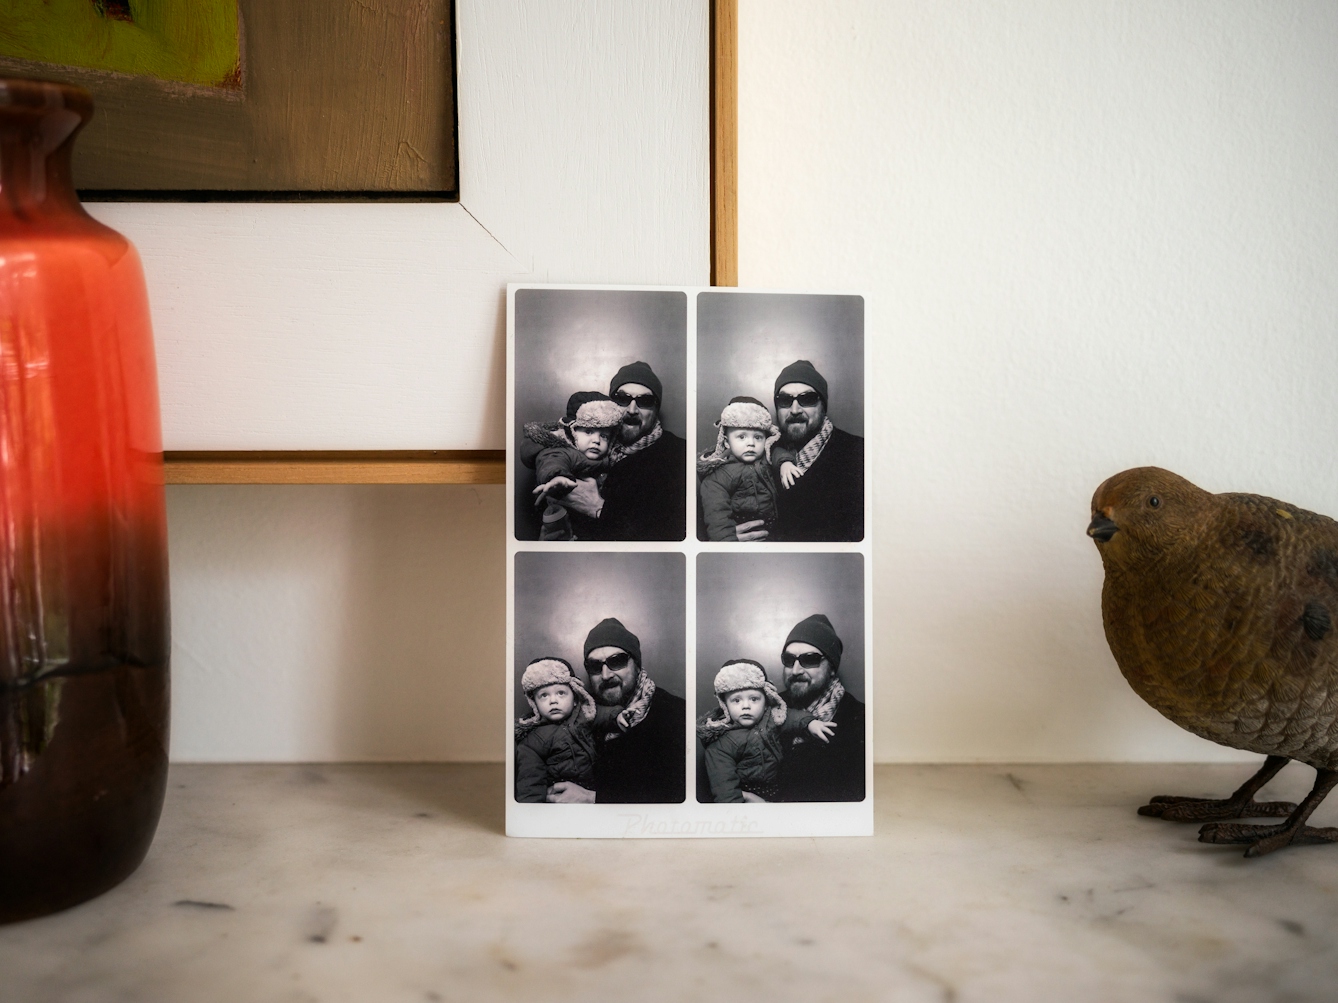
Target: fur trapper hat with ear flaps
{"x": 596, "y": 411}
{"x": 735, "y": 675}
{"x": 552, "y": 671}
{"x": 740, "y": 412}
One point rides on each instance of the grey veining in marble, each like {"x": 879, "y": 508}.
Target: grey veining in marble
{"x": 300, "y": 883}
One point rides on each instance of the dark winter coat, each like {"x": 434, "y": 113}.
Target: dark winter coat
{"x": 736, "y": 492}
{"x": 548, "y": 451}
{"x": 551, "y": 752}
{"x": 834, "y": 771}
{"x": 644, "y": 496}
{"x": 749, "y": 759}
{"x": 644, "y": 765}
{"x": 827, "y": 503}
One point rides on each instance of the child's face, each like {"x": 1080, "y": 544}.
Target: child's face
{"x": 746, "y": 443}
{"x": 554, "y": 701}
{"x": 746, "y": 706}
{"x": 593, "y": 442}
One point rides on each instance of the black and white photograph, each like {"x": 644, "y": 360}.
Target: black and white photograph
{"x": 780, "y": 418}
{"x": 780, "y": 708}
{"x": 600, "y": 413}
{"x": 600, "y": 665}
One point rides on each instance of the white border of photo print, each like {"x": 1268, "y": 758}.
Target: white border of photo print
{"x": 603, "y": 582}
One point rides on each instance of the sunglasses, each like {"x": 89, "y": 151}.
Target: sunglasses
{"x": 616, "y": 662}
{"x": 642, "y": 400}
{"x": 808, "y": 398}
{"x": 808, "y": 660}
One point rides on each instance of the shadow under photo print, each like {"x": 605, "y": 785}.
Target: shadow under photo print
{"x": 780, "y": 677}
{"x": 598, "y": 695}
{"x": 600, "y": 414}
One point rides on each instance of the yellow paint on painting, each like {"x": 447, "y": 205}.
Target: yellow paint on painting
{"x": 189, "y": 41}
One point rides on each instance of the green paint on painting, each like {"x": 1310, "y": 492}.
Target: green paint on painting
{"x": 188, "y": 41}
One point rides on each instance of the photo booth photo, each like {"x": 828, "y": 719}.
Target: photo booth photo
{"x": 780, "y": 708}
{"x": 780, "y": 417}
{"x": 598, "y": 694}
{"x": 600, "y": 415}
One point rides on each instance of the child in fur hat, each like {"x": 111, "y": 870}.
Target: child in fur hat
{"x": 737, "y": 484}
{"x": 561, "y": 452}
{"x": 557, "y": 741}
{"x": 742, "y": 737}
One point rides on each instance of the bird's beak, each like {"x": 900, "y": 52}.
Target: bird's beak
{"x": 1102, "y": 529}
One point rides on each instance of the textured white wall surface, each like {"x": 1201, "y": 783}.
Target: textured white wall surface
{"x": 1093, "y": 235}
{"x": 337, "y": 623}
{"x": 583, "y": 158}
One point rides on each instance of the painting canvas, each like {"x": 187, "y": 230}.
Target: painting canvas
{"x": 250, "y": 97}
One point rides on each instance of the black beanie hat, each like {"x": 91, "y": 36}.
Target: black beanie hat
{"x": 802, "y": 371}
{"x": 638, "y": 372}
{"x": 611, "y": 633}
{"x": 580, "y": 397}
{"x": 816, "y": 630}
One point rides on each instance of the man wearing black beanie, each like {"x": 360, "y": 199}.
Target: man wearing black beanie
{"x": 641, "y": 761}
{"x": 811, "y": 770}
{"x": 822, "y": 492}
{"x": 644, "y": 495}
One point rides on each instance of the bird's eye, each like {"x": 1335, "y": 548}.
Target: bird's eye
{"x": 1154, "y": 501}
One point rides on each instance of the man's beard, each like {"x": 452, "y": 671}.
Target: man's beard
{"x": 803, "y": 690}
{"x": 796, "y": 431}
{"x": 604, "y": 693}
{"x": 634, "y": 428}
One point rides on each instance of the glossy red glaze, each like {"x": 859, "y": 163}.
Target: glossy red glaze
{"x": 83, "y": 566}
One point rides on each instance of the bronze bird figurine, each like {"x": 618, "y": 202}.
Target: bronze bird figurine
{"x": 1219, "y": 611}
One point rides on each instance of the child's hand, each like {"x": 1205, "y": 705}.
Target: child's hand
{"x": 557, "y": 487}
{"x": 822, "y": 730}
{"x": 789, "y": 473}
{"x": 750, "y": 796}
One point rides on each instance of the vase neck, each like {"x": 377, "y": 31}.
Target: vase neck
{"x": 38, "y": 123}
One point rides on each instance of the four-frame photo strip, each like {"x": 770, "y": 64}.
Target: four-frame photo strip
{"x": 688, "y": 564}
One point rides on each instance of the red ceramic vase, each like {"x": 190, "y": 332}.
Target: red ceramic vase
{"x": 83, "y": 551}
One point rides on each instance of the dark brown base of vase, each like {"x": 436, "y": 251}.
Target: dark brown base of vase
{"x": 80, "y": 817}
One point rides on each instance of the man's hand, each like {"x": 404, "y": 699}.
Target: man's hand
{"x": 556, "y": 488}
{"x": 747, "y": 532}
{"x": 823, "y": 730}
{"x": 566, "y": 792}
{"x": 789, "y": 473}
{"x": 752, "y": 798}
{"x": 583, "y": 498}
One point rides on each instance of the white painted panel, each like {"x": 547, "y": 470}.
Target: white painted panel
{"x": 1093, "y": 235}
{"x": 584, "y": 157}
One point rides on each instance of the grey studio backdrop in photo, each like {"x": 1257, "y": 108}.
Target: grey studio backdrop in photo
{"x": 577, "y": 339}
{"x": 561, "y": 595}
{"x": 747, "y": 603}
{"x": 744, "y": 340}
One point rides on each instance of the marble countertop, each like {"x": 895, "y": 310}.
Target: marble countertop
{"x": 983, "y": 883}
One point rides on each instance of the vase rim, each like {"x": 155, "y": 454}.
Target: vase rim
{"x": 36, "y": 94}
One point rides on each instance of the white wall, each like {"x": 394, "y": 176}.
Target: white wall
{"x": 1093, "y": 235}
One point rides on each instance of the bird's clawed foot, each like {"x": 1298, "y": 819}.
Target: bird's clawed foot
{"x": 1175, "y": 809}
{"x": 1262, "y": 839}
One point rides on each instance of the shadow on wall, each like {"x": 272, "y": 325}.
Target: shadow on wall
{"x": 337, "y": 623}
{"x": 577, "y": 339}
{"x": 560, "y": 596}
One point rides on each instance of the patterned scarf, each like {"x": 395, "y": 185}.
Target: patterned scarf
{"x": 823, "y": 708}
{"x": 813, "y": 448}
{"x": 637, "y": 708}
{"x": 621, "y": 452}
